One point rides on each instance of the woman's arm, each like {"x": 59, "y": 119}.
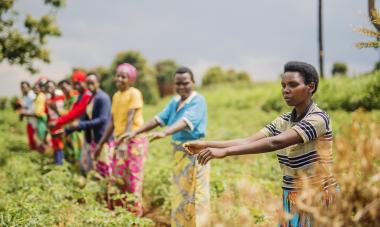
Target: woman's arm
{"x": 235, "y": 142}
{"x": 145, "y": 128}
{"x": 285, "y": 139}
{"x": 196, "y": 146}
{"x": 107, "y": 133}
{"x": 130, "y": 116}
{"x": 178, "y": 126}
{"x": 104, "y": 138}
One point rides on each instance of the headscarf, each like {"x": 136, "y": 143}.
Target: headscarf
{"x": 78, "y": 76}
{"x": 129, "y": 69}
{"x": 42, "y": 80}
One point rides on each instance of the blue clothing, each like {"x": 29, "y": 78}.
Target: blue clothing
{"x": 95, "y": 126}
{"x": 194, "y": 113}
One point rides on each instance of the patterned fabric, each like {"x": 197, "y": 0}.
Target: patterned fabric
{"x": 312, "y": 159}
{"x": 193, "y": 112}
{"x": 128, "y": 172}
{"x": 122, "y": 102}
{"x": 190, "y": 190}
{"x": 39, "y": 105}
{"x": 53, "y": 113}
{"x": 73, "y": 142}
{"x": 41, "y": 126}
{"x": 302, "y": 219}
{"x": 102, "y": 165}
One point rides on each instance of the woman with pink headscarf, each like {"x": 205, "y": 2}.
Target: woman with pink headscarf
{"x": 128, "y": 163}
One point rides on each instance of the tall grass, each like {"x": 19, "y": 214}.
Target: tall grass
{"x": 357, "y": 168}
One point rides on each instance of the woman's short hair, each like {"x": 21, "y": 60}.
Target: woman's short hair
{"x": 183, "y": 70}
{"x": 307, "y": 71}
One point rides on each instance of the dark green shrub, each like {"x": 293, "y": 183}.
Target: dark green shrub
{"x": 339, "y": 68}
{"x": 3, "y": 103}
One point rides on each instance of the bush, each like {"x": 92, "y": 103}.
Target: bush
{"x": 339, "y": 93}
{"x": 377, "y": 66}
{"x": 3, "y": 103}
{"x": 216, "y": 75}
{"x": 274, "y": 103}
{"x": 164, "y": 74}
{"x": 339, "y": 68}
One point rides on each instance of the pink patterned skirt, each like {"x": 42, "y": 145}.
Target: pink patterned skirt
{"x": 103, "y": 164}
{"x": 127, "y": 168}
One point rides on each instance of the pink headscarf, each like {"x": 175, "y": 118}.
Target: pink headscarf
{"x": 129, "y": 69}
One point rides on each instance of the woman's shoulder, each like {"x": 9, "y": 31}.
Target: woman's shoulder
{"x": 198, "y": 97}
{"x": 286, "y": 116}
{"x": 134, "y": 90}
{"x": 316, "y": 111}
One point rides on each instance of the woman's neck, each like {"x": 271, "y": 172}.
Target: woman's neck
{"x": 301, "y": 108}
{"x": 186, "y": 97}
{"x": 124, "y": 89}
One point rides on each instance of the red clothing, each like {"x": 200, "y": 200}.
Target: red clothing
{"x": 56, "y": 132}
{"x": 30, "y": 130}
{"x": 78, "y": 109}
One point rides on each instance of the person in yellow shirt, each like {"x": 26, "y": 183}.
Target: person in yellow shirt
{"x": 126, "y": 116}
{"x": 39, "y": 113}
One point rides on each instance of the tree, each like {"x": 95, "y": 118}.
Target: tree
{"x": 320, "y": 39}
{"x": 164, "y": 76}
{"x": 372, "y": 12}
{"x": 339, "y": 68}
{"x": 22, "y": 45}
{"x": 146, "y": 81}
{"x": 374, "y": 17}
{"x": 213, "y": 75}
{"x": 216, "y": 74}
{"x": 377, "y": 66}
{"x": 105, "y": 77}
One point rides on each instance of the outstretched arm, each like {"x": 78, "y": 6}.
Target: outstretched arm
{"x": 145, "y": 128}
{"x": 195, "y": 146}
{"x": 74, "y": 113}
{"x": 178, "y": 126}
{"x": 285, "y": 139}
{"x": 104, "y": 138}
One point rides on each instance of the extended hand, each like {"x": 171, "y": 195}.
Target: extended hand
{"x": 97, "y": 151}
{"x": 156, "y": 135}
{"x": 194, "y": 147}
{"x": 126, "y": 136}
{"x": 207, "y": 154}
{"x": 52, "y": 124}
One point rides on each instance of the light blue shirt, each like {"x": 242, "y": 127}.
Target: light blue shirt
{"x": 193, "y": 112}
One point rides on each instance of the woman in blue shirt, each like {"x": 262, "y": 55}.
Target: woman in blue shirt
{"x": 186, "y": 118}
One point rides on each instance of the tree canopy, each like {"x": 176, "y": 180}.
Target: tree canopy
{"x": 24, "y": 43}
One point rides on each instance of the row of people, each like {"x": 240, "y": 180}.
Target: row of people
{"x": 116, "y": 144}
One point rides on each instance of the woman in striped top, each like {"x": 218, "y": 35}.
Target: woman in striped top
{"x": 301, "y": 138}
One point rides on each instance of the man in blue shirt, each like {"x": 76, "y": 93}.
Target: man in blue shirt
{"x": 186, "y": 119}
{"x": 94, "y": 123}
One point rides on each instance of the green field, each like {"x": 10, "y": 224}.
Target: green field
{"x": 244, "y": 189}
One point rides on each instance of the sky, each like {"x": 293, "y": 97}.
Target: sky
{"x": 252, "y": 35}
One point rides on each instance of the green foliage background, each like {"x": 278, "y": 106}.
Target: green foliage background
{"x": 33, "y": 192}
